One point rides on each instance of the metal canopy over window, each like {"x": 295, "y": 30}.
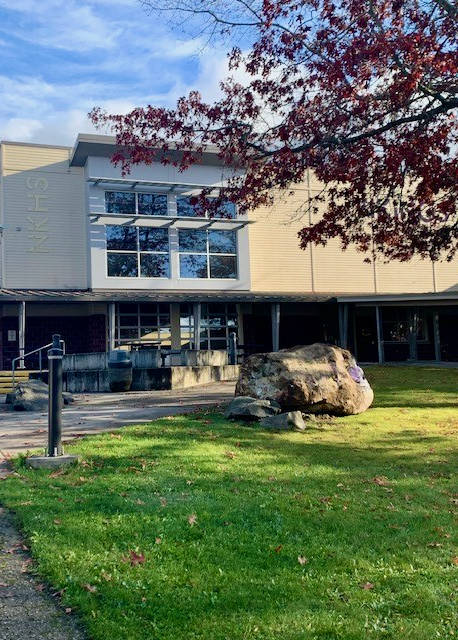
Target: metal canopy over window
{"x": 147, "y": 206}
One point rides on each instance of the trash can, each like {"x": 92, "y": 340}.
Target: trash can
{"x": 120, "y": 371}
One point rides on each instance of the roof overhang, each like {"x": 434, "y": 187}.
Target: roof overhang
{"x": 443, "y": 297}
{"x": 140, "y": 295}
{"x": 88, "y": 144}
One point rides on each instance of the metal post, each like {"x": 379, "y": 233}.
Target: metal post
{"x": 21, "y": 334}
{"x": 111, "y": 326}
{"x": 413, "y": 329}
{"x": 232, "y": 348}
{"x": 197, "y": 312}
{"x": 437, "y": 338}
{"x": 275, "y": 314}
{"x": 55, "y": 355}
{"x": 378, "y": 318}
{"x": 343, "y": 325}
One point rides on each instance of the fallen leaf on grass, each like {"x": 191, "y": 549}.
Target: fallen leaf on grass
{"x": 455, "y": 560}
{"x": 56, "y": 474}
{"x": 192, "y": 519}
{"x": 381, "y": 481}
{"x": 158, "y": 540}
{"x": 40, "y": 587}
{"x": 90, "y": 588}
{"x": 118, "y": 436}
{"x": 279, "y": 548}
{"x": 106, "y": 576}
{"x": 366, "y": 586}
{"x": 138, "y": 501}
{"x": 163, "y": 502}
{"x": 134, "y": 558}
{"x": 434, "y": 545}
{"x": 230, "y": 454}
{"x": 302, "y": 560}
{"x": 57, "y": 521}
{"x": 68, "y": 610}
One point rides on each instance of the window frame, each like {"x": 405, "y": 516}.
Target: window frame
{"x": 138, "y": 252}
{"x": 137, "y": 325}
{"x": 208, "y": 254}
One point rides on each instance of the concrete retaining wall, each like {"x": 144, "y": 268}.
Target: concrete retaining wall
{"x": 92, "y": 381}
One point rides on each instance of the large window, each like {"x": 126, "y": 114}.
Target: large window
{"x": 134, "y": 252}
{"x": 142, "y": 322}
{"x": 396, "y": 323}
{"x": 186, "y": 209}
{"x": 218, "y": 320}
{"x": 151, "y": 204}
{"x": 207, "y": 254}
{"x": 156, "y": 204}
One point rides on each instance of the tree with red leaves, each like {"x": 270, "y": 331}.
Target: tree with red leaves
{"x": 361, "y": 92}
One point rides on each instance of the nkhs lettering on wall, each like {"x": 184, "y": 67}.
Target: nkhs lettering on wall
{"x": 38, "y": 222}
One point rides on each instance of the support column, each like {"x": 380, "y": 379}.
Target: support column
{"x": 111, "y": 326}
{"x": 343, "y": 325}
{"x": 380, "y": 349}
{"x": 21, "y": 333}
{"x": 197, "y": 310}
{"x": 413, "y": 327}
{"x": 275, "y": 313}
{"x": 437, "y": 338}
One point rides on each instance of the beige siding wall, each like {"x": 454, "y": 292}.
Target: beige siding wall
{"x": 43, "y": 208}
{"x": 277, "y": 263}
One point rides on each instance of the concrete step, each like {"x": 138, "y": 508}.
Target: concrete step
{"x": 6, "y": 379}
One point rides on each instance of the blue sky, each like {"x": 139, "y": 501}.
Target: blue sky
{"x": 59, "y": 58}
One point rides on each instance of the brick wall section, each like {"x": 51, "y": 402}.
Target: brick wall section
{"x": 81, "y": 335}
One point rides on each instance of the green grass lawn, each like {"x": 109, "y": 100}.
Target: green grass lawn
{"x": 197, "y": 528}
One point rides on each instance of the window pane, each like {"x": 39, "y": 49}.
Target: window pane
{"x": 164, "y": 308}
{"x": 119, "y": 202}
{"x": 184, "y": 206}
{"x": 128, "y": 307}
{"x": 122, "y": 265}
{"x": 148, "y": 320}
{"x": 148, "y": 333}
{"x": 152, "y": 204}
{"x": 153, "y": 265}
{"x": 227, "y": 210}
{"x": 223, "y": 267}
{"x": 119, "y": 237}
{"x": 192, "y": 240}
{"x": 194, "y": 266}
{"x": 153, "y": 239}
{"x": 128, "y": 334}
{"x": 218, "y": 345}
{"x": 222, "y": 241}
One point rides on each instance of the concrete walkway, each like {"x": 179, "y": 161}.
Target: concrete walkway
{"x": 92, "y": 413}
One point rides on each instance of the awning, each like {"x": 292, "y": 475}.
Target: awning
{"x": 139, "y": 295}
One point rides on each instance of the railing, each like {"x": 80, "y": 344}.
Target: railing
{"x": 23, "y": 356}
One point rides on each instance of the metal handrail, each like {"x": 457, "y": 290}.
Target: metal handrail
{"x": 30, "y": 353}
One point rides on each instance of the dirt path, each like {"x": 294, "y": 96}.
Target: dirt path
{"x": 27, "y": 612}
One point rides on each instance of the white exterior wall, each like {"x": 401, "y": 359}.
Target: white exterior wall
{"x": 97, "y": 167}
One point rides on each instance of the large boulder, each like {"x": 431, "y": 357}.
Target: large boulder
{"x": 250, "y": 409}
{"x": 317, "y": 378}
{"x": 32, "y": 395}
